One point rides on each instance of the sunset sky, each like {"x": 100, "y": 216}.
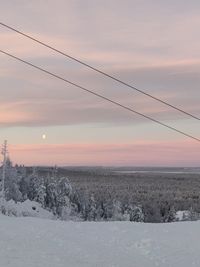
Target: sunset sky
{"x": 152, "y": 44}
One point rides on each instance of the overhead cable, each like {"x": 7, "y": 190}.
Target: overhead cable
{"x": 102, "y": 72}
{"x": 99, "y": 95}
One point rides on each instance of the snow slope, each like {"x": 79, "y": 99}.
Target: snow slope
{"x": 33, "y": 242}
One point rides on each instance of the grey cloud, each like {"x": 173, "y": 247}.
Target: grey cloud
{"x": 139, "y": 42}
{"x": 52, "y": 102}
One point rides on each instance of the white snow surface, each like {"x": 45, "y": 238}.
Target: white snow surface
{"x": 35, "y": 242}
{"x": 26, "y": 209}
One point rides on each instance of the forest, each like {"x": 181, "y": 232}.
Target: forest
{"x": 102, "y": 194}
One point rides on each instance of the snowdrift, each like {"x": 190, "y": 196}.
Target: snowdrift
{"x": 25, "y": 209}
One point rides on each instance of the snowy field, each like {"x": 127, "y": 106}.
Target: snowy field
{"x": 34, "y": 242}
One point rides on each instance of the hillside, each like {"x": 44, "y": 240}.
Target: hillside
{"x": 34, "y": 242}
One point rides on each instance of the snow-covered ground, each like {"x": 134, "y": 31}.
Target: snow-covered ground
{"x": 25, "y": 209}
{"x": 34, "y": 242}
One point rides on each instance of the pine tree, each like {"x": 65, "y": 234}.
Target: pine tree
{"x": 12, "y": 181}
{"x": 136, "y": 214}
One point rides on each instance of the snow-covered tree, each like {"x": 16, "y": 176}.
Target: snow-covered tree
{"x": 12, "y": 182}
{"x": 117, "y": 211}
{"x": 136, "y": 213}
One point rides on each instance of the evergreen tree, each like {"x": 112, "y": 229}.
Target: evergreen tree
{"x": 12, "y": 181}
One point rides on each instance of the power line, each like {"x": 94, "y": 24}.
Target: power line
{"x": 101, "y": 72}
{"x": 99, "y": 95}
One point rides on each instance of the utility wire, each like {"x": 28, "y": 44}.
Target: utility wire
{"x": 98, "y": 95}
{"x": 101, "y": 72}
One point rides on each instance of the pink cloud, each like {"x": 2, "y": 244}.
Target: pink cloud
{"x": 182, "y": 153}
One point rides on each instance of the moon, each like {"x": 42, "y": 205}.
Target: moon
{"x": 44, "y": 136}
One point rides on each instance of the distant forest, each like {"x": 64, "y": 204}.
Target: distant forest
{"x": 101, "y": 194}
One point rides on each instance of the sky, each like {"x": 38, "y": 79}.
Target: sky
{"x": 153, "y": 45}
